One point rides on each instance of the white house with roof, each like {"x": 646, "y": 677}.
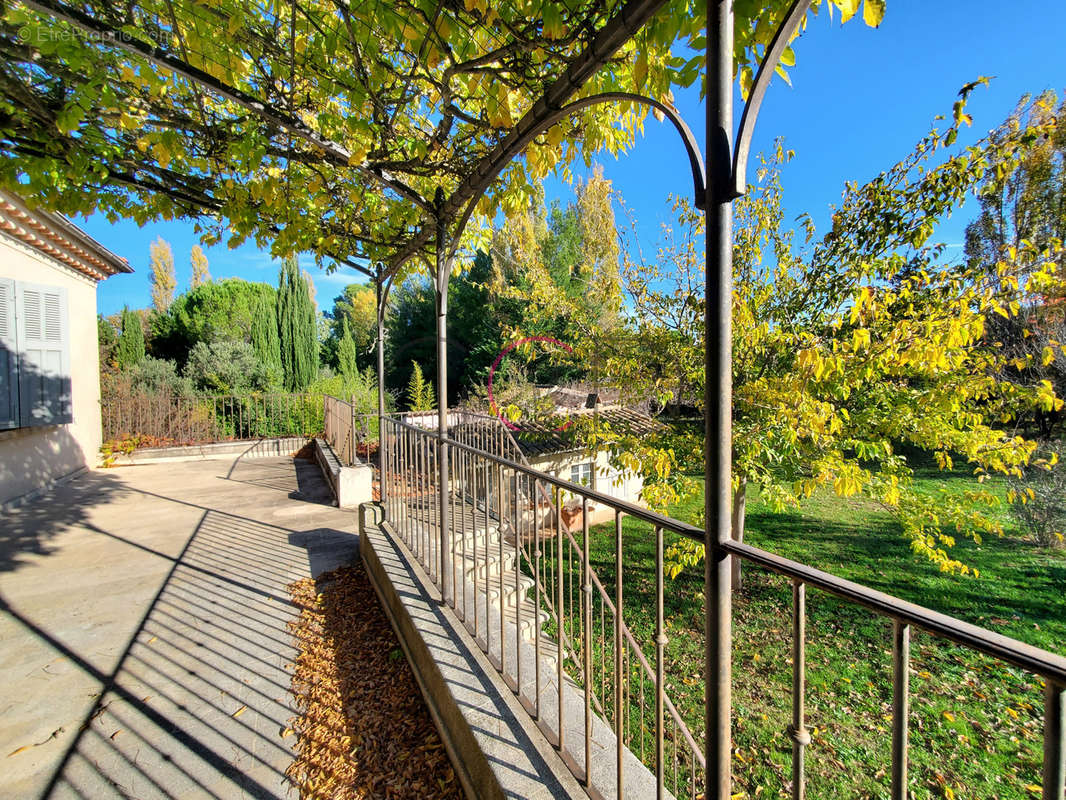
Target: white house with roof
{"x": 552, "y": 444}
{"x": 553, "y": 447}
{"x": 49, "y": 357}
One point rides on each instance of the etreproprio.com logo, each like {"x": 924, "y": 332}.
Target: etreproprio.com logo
{"x": 31, "y": 34}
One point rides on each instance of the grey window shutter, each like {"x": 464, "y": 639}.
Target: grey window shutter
{"x": 44, "y": 355}
{"x": 9, "y": 376}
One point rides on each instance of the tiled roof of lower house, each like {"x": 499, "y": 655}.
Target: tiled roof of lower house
{"x": 557, "y": 436}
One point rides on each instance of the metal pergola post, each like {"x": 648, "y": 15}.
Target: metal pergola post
{"x": 1054, "y": 741}
{"x": 440, "y": 290}
{"x": 718, "y": 340}
{"x": 380, "y": 295}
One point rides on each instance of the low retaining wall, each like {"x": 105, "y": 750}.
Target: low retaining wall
{"x": 258, "y": 448}
{"x": 496, "y": 749}
{"x": 351, "y": 486}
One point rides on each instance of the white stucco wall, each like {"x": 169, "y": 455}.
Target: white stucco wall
{"x": 32, "y": 458}
{"x": 606, "y": 478}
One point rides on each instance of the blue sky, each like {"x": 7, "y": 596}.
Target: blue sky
{"x": 860, "y": 98}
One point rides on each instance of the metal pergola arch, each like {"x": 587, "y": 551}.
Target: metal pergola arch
{"x": 714, "y": 188}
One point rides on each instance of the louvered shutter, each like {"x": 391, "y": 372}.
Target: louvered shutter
{"x": 44, "y": 355}
{"x": 9, "y": 383}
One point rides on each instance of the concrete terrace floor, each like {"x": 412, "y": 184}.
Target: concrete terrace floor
{"x": 143, "y": 617}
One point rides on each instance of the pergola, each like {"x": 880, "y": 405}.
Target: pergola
{"x": 370, "y": 134}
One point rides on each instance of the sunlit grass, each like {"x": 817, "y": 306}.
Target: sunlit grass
{"x": 975, "y": 723}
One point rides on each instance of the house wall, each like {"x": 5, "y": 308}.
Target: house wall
{"x": 606, "y": 479}
{"x": 32, "y": 458}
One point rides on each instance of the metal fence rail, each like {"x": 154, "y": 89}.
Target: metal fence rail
{"x": 348, "y": 431}
{"x": 508, "y": 533}
{"x": 163, "y": 419}
{"x": 519, "y": 562}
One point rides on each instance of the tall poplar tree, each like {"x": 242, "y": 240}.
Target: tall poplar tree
{"x": 200, "y": 274}
{"x": 162, "y": 269}
{"x": 297, "y": 328}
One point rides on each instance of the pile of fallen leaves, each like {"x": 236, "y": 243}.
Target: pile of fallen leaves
{"x": 363, "y": 730}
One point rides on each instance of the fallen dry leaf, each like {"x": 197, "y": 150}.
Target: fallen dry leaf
{"x": 26, "y": 747}
{"x": 363, "y": 730}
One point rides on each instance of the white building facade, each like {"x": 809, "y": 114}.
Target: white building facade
{"x": 49, "y": 355}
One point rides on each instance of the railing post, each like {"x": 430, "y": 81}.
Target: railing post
{"x": 718, "y": 398}
{"x": 382, "y": 493}
{"x": 536, "y": 608}
{"x": 351, "y": 435}
{"x": 1054, "y": 741}
{"x": 500, "y": 512}
{"x": 560, "y": 632}
{"x": 798, "y": 729}
{"x": 618, "y": 711}
{"x": 586, "y": 636}
{"x": 901, "y": 657}
{"x": 660, "y": 645}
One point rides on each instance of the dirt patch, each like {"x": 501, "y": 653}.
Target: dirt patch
{"x": 307, "y": 452}
{"x": 363, "y": 730}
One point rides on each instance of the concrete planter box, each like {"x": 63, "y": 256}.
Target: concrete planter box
{"x": 352, "y": 486}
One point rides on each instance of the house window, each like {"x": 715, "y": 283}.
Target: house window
{"x": 582, "y": 474}
{"x": 34, "y": 355}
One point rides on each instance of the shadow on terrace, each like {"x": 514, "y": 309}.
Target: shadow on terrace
{"x": 144, "y": 614}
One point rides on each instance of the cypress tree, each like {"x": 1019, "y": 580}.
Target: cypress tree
{"x": 297, "y": 328}
{"x": 130, "y": 348}
{"x": 264, "y": 333}
{"x": 347, "y": 353}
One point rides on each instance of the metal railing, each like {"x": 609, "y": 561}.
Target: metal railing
{"x": 586, "y": 677}
{"x": 520, "y": 570}
{"x": 164, "y": 419}
{"x": 486, "y": 433}
{"x": 349, "y": 432}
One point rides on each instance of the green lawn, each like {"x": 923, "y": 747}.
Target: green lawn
{"x": 976, "y": 725}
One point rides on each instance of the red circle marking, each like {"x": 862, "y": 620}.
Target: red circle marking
{"x": 496, "y": 363}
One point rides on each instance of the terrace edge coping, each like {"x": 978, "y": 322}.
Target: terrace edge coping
{"x": 248, "y": 448}
{"x": 488, "y": 735}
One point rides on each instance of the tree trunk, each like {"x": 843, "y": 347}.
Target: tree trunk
{"x": 739, "y": 504}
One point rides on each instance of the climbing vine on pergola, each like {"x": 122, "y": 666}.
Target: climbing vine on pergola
{"x": 346, "y": 130}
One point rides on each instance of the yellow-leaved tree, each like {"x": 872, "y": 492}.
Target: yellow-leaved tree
{"x": 161, "y": 266}
{"x": 852, "y": 353}
{"x": 200, "y": 272}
